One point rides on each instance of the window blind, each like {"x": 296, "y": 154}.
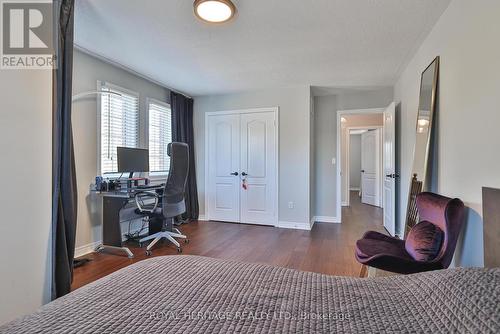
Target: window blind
{"x": 160, "y": 135}
{"x": 119, "y": 125}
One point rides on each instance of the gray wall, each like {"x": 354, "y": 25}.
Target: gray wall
{"x": 87, "y": 71}
{"x": 294, "y": 146}
{"x": 312, "y": 161}
{"x": 466, "y": 39}
{"x": 366, "y": 99}
{"x": 325, "y": 137}
{"x": 355, "y": 161}
{"x": 25, "y": 199}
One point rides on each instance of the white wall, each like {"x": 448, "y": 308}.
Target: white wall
{"x": 466, "y": 37}
{"x": 325, "y": 137}
{"x": 25, "y": 199}
{"x": 87, "y": 70}
{"x": 294, "y": 143}
{"x": 355, "y": 161}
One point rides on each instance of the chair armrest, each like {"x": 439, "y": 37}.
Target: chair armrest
{"x": 379, "y": 236}
{"x": 139, "y": 200}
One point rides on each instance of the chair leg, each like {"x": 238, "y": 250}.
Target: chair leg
{"x": 172, "y": 240}
{"x": 177, "y": 235}
{"x": 151, "y": 245}
{"x": 149, "y": 237}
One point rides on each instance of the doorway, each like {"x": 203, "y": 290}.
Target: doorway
{"x": 364, "y": 164}
{"x": 242, "y": 166}
{"x": 377, "y": 174}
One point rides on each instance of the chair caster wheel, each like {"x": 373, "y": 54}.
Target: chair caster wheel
{"x": 179, "y": 250}
{"x": 186, "y": 241}
{"x": 148, "y": 253}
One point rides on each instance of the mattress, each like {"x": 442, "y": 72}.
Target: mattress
{"x": 191, "y": 294}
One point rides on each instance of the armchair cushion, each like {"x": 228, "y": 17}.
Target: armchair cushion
{"x": 424, "y": 241}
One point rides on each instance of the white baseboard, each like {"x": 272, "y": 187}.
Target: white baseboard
{"x": 90, "y": 248}
{"x": 294, "y": 225}
{"x": 344, "y": 204}
{"x": 355, "y": 189}
{"x": 202, "y": 217}
{"x": 86, "y": 249}
{"x": 327, "y": 219}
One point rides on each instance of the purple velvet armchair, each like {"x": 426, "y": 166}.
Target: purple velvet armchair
{"x": 429, "y": 245}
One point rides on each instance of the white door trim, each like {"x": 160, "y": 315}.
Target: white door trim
{"x": 276, "y": 134}
{"x": 348, "y": 157}
{"x": 341, "y": 113}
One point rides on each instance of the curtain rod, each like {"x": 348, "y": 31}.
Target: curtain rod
{"x": 125, "y": 68}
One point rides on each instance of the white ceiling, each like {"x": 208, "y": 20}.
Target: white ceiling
{"x": 332, "y": 44}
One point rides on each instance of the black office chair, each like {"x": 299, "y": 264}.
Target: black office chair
{"x": 172, "y": 199}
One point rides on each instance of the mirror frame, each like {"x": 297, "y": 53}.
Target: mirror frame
{"x": 416, "y": 186}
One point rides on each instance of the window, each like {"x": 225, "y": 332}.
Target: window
{"x": 160, "y": 135}
{"x": 119, "y": 124}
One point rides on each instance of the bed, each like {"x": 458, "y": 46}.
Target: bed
{"x": 192, "y": 294}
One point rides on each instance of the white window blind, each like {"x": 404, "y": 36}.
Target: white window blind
{"x": 119, "y": 124}
{"x": 160, "y": 135}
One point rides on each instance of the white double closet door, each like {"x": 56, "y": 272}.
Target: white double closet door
{"x": 242, "y": 167}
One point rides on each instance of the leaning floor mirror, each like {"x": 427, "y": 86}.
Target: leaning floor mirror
{"x": 426, "y": 109}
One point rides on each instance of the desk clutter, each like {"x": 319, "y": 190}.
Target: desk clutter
{"x": 110, "y": 184}
{"x": 159, "y": 205}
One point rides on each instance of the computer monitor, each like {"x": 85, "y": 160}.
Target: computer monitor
{"x": 132, "y": 160}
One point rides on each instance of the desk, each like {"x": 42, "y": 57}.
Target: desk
{"x": 112, "y": 203}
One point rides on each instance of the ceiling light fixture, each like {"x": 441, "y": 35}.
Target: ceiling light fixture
{"x": 214, "y": 11}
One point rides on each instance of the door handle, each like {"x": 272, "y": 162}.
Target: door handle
{"x": 234, "y": 173}
{"x": 362, "y": 171}
{"x": 244, "y": 174}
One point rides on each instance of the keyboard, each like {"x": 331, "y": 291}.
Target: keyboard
{"x": 150, "y": 186}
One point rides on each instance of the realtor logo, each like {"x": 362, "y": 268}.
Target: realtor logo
{"x": 27, "y": 39}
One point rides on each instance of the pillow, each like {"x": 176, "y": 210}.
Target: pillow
{"x": 424, "y": 241}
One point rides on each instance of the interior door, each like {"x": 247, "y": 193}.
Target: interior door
{"x": 370, "y": 167}
{"x": 390, "y": 169}
{"x": 223, "y": 168}
{"x": 258, "y": 163}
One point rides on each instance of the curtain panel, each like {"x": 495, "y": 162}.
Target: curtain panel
{"x": 64, "y": 195}
{"x": 182, "y": 131}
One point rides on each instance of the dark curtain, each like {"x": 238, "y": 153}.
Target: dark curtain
{"x": 64, "y": 196}
{"x": 182, "y": 131}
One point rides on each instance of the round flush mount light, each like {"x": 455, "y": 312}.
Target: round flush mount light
{"x": 214, "y": 11}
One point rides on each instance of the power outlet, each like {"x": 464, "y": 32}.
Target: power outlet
{"x": 291, "y": 205}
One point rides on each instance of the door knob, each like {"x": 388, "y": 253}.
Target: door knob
{"x": 244, "y": 174}
{"x": 362, "y": 171}
{"x": 234, "y": 173}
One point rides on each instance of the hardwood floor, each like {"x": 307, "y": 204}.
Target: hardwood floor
{"x": 327, "y": 248}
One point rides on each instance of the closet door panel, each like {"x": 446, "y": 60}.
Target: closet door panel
{"x": 223, "y": 154}
{"x": 258, "y": 159}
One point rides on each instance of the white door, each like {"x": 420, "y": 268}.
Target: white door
{"x": 390, "y": 169}
{"x": 370, "y": 148}
{"x": 242, "y": 162}
{"x": 258, "y": 162}
{"x": 223, "y": 168}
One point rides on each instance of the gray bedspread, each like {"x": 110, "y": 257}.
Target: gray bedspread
{"x": 191, "y": 294}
